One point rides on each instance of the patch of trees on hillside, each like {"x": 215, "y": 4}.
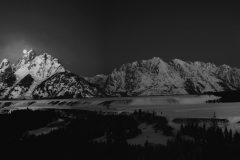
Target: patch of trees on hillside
{"x": 75, "y": 141}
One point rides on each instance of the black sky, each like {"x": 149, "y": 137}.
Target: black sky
{"x": 94, "y": 37}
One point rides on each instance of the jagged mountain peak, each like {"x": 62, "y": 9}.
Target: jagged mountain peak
{"x": 25, "y": 78}
{"x": 99, "y": 79}
{"x": 154, "y": 77}
{"x": 5, "y": 62}
{"x": 154, "y": 61}
{"x": 40, "y": 67}
{"x": 43, "y": 76}
{"x": 198, "y": 63}
{"x": 4, "y": 65}
{"x": 29, "y": 55}
{"x": 46, "y": 56}
{"x": 225, "y": 66}
{"x": 179, "y": 61}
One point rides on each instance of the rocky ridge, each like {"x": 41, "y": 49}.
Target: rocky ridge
{"x": 156, "y": 77}
{"x": 41, "y": 77}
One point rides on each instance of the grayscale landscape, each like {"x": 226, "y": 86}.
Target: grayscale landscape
{"x": 181, "y": 106}
{"x": 119, "y": 80}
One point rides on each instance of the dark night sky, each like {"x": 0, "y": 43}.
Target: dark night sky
{"x": 94, "y": 37}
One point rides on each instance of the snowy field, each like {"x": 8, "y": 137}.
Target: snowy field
{"x": 170, "y": 106}
{"x": 187, "y": 106}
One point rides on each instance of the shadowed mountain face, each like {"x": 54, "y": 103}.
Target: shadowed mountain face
{"x": 156, "y": 77}
{"x": 66, "y": 85}
{"x": 42, "y": 77}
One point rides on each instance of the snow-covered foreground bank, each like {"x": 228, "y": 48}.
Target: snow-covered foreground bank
{"x": 118, "y": 101}
{"x": 170, "y": 106}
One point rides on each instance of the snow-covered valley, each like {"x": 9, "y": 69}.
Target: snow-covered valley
{"x": 187, "y": 106}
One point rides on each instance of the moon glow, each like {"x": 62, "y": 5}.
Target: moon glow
{"x": 24, "y": 51}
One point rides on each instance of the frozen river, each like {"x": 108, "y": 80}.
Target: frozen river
{"x": 171, "y": 106}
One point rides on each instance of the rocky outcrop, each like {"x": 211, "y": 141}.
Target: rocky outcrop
{"x": 99, "y": 80}
{"x": 156, "y": 77}
{"x": 42, "y": 76}
{"x": 66, "y": 85}
{"x": 27, "y": 79}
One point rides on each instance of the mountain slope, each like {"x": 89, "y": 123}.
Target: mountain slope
{"x": 20, "y": 88}
{"x": 98, "y": 80}
{"x": 28, "y": 76}
{"x": 40, "y": 67}
{"x": 156, "y": 77}
{"x": 66, "y": 85}
{"x": 42, "y": 76}
{"x": 5, "y": 66}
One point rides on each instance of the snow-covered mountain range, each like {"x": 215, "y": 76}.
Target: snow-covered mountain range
{"x": 43, "y": 76}
{"x": 156, "y": 77}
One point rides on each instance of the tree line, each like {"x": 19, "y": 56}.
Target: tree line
{"x": 193, "y": 141}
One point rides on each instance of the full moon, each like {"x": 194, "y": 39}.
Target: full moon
{"x": 24, "y": 51}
